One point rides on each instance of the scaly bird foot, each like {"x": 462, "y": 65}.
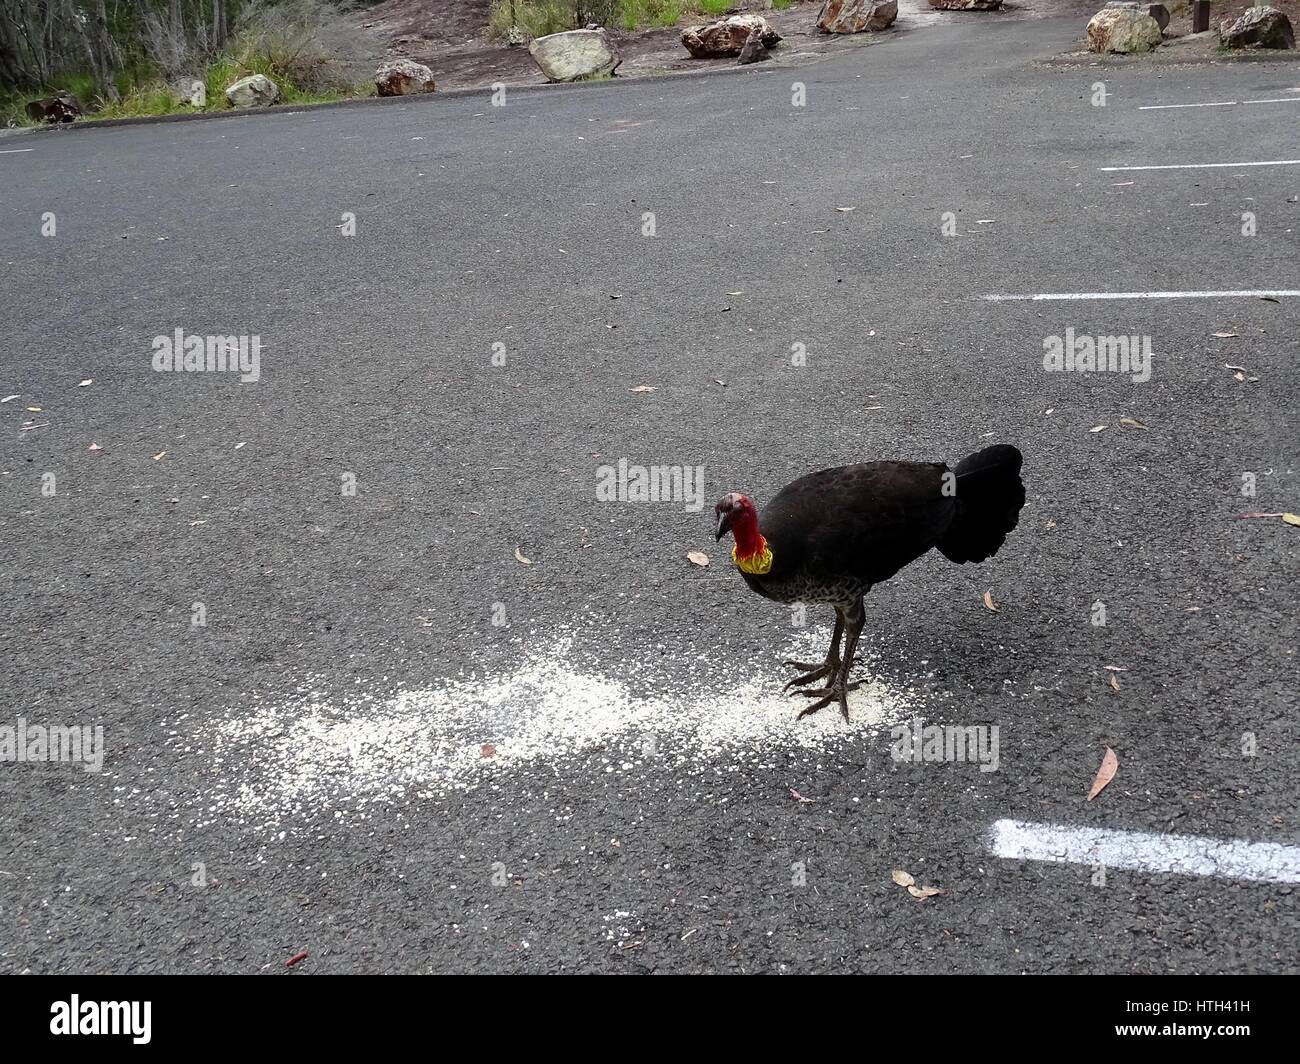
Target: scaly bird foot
{"x": 829, "y": 695}
{"x": 818, "y": 671}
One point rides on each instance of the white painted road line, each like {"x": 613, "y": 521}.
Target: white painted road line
{"x": 1202, "y": 166}
{"x": 1248, "y": 293}
{"x": 1184, "y": 855}
{"x": 1223, "y": 103}
{"x": 1176, "y": 106}
{"x": 13, "y": 151}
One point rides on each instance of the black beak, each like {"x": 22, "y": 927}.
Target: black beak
{"x": 724, "y": 525}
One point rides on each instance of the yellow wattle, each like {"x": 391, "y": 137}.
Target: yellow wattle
{"x": 758, "y": 564}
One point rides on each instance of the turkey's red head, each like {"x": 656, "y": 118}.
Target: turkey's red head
{"x": 732, "y": 510}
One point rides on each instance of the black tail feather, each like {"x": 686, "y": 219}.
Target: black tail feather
{"x": 989, "y": 497}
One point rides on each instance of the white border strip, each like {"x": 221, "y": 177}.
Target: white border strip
{"x": 1176, "y": 106}
{"x": 1279, "y": 99}
{"x": 1244, "y": 293}
{"x": 1201, "y": 166}
{"x": 1184, "y": 855}
{"x": 13, "y": 151}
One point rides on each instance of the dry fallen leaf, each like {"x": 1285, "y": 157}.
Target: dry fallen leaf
{"x": 642, "y": 388}
{"x": 159, "y": 455}
{"x": 924, "y": 892}
{"x": 86, "y": 383}
{"x": 7, "y": 398}
{"x": 487, "y": 750}
{"x": 799, "y": 797}
{"x": 903, "y": 879}
{"x": 989, "y": 604}
{"x": 94, "y": 447}
{"x": 1115, "y": 668}
{"x": 1224, "y": 335}
{"x": 698, "y": 557}
{"x": 1291, "y": 519}
{"x": 1051, "y": 525}
{"x": 1131, "y": 423}
{"x": 519, "y": 557}
{"x": 1114, "y": 682}
{"x": 1109, "y": 765}
{"x": 1096, "y": 428}
{"x": 845, "y": 210}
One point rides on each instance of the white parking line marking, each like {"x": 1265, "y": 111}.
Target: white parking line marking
{"x": 1202, "y": 166}
{"x": 1280, "y": 99}
{"x": 1247, "y": 293}
{"x": 1185, "y": 855}
{"x": 1176, "y": 106}
{"x": 13, "y": 151}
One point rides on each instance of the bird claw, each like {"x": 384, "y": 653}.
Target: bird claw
{"x": 841, "y": 693}
{"x": 818, "y": 671}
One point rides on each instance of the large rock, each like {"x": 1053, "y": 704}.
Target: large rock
{"x": 403, "y": 77}
{"x": 1160, "y": 13}
{"x": 575, "y": 54}
{"x": 257, "y": 90}
{"x": 966, "y": 5}
{"x": 61, "y": 107}
{"x": 727, "y": 36}
{"x": 1259, "y": 27}
{"x": 854, "y": 16}
{"x": 191, "y": 92}
{"x": 1123, "y": 28}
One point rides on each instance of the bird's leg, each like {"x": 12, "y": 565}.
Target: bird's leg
{"x": 832, "y": 662}
{"x": 839, "y": 687}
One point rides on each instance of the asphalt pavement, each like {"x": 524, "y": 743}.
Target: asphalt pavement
{"x": 382, "y": 677}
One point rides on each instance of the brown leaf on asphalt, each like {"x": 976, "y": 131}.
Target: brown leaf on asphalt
{"x": 1096, "y": 428}
{"x": 1131, "y": 423}
{"x": 799, "y": 797}
{"x": 903, "y": 879}
{"x": 519, "y": 557}
{"x": 1224, "y": 335}
{"x": 698, "y": 557}
{"x": 924, "y": 892}
{"x": 989, "y": 604}
{"x": 1114, "y": 682}
{"x": 642, "y": 388}
{"x": 159, "y": 455}
{"x": 1109, "y": 766}
{"x": 1239, "y": 376}
{"x": 1051, "y": 525}
{"x": 1291, "y": 519}
{"x": 295, "y": 959}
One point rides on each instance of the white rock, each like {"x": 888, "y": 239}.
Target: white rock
{"x": 574, "y": 54}
{"x": 190, "y": 91}
{"x": 403, "y": 77}
{"x": 1122, "y": 29}
{"x": 257, "y": 90}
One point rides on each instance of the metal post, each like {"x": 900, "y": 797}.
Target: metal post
{"x": 1200, "y": 16}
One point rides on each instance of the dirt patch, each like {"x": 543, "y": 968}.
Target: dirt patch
{"x": 450, "y": 37}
